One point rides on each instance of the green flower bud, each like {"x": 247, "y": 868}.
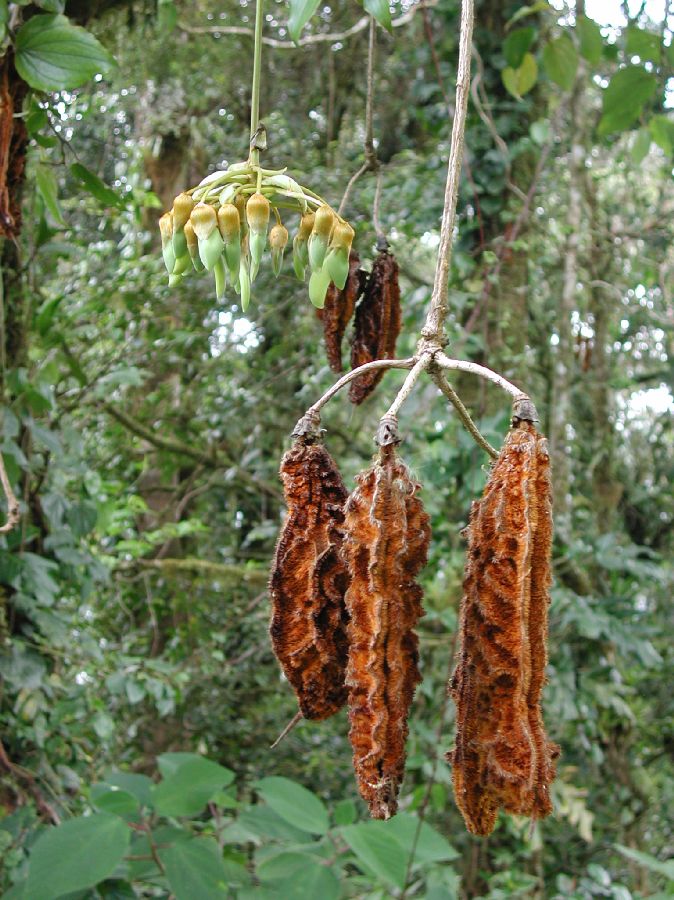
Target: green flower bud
{"x": 193, "y": 246}
{"x": 320, "y": 235}
{"x": 257, "y": 214}
{"x": 337, "y": 265}
{"x": 318, "y": 287}
{"x": 204, "y": 221}
{"x": 233, "y": 261}
{"x": 257, "y": 244}
{"x": 240, "y": 204}
{"x": 278, "y": 239}
{"x": 244, "y": 283}
{"x": 300, "y": 252}
{"x": 182, "y": 207}
{"x": 298, "y": 265}
{"x": 220, "y": 278}
{"x": 342, "y": 236}
{"x": 210, "y": 249}
{"x": 174, "y": 280}
{"x": 182, "y": 264}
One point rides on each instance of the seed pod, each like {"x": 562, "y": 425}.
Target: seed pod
{"x": 166, "y": 231}
{"x": 387, "y": 534}
{"x": 319, "y": 282}
{"x": 193, "y": 247}
{"x": 278, "y": 239}
{"x": 337, "y": 260}
{"x": 338, "y": 310}
{"x": 308, "y": 581}
{"x": 377, "y": 324}
{"x": 324, "y": 220}
{"x": 502, "y": 757}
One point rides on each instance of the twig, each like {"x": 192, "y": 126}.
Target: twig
{"x": 314, "y": 410}
{"x": 464, "y": 415}
{"x": 419, "y": 366}
{"x": 378, "y": 230}
{"x": 462, "y": 365}
{"x": 286, "y": 731}
{"x": 433, "y": 332}
{"x": 347, "y": 190}
{"x": 13, "y": 511}
{"x": 333, "y": 37}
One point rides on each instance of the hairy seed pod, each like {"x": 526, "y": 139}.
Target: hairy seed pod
{"x": 308, "y": 581}
{"x": 387, "y": 534}
{"x": 377, "y": 324}
{"x": 338, "y": 310}
{"x": 502, "y": 758}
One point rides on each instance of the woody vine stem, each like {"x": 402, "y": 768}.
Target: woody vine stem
{"x": 430, "y": 356}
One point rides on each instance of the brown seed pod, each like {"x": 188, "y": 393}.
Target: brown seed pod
{"x": 338, "y": 310}
{"x": 502, "y": 757}
{"x": 13, "y": 146}
{"x": 377, "y": 324}
{"x": 385, "y": 547}
{"x": 308, "y": 581}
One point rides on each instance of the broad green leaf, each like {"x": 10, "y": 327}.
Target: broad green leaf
{"x": 300, "y": 13}
{"x": 194, "y": 869}
{"x": 431, "y": 845}
{"x": 138, "y": 785}
{"x": 56, "y": 860}
{"x": 662, "y": 867}
{"x": 641, "y": 145}
{"x": 345, "y": 812}
{"x": 52, "y": 54}
{"x": 591, "y": 42}
{"x": 560, "y": 61}
{"x": 516, "y": 45}
{"x": 190, "y": 787}
{"x": 259, "y": 822}
{"x": 380, "y": 10}
{"x": 373, "y": 847}
{"x": 294, "y": 803}
{"x": 82, "y": 518}
{"x": 108, "y": 798}
{"x": 624, "y": 98}
{"x": 520, "y": 81}
{"x": 662, "y": 131}
{"x": 169, "y": 763}
{"x": 312, "y": 882}
{"x": 645, "y": 44}
{"x": 46, "y": 185}
{"x": 97, "y": 188}
{"x": 282, "y": 865}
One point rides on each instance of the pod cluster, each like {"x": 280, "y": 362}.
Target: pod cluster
{"x": 232, "y": 217}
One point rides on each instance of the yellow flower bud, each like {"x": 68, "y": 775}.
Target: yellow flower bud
{"x": 257, "y": 213}
{"x": 182, "y": 207}
{"x": 323, "y": 221}
{"x": 278, "y": 237}
{"x": 204, "y": 220}
{"x": 306, "y": 226}
{"x": 229, "y": 223}
{"x": 342, "y": 236}
{"x": 166, "y": 227}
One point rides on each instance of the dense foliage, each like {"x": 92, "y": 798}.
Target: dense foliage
{"x": 142, "y": 430}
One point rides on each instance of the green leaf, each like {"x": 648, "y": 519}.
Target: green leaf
{"x": 345, "y": 812}
{"x": 52, "y": 54}
{"x": 138, "y": 785}
{"x": 520, "y": 81}
{"x": 431, "y": 845}
{"x": 82, "y": 518}
{"x": 560, "y": 61}
{"x": 300, "y": 13}
{"x": 312, "y": 882}
{"x": 111, "y": 799}
{"x": 46, "y": 185}
{"x": 190, "y": 787}
{"x": 56, "y": 864}
{"x": 516, "y": 45}
{"x": 381, "y": 11}
{"x": 624, "y": 98}
{"x": 525, "y": 11}
{"x": 649, "y": 862}
{"x": 661, "y": 129}
{"x": 591, "y": 42}
{"x": 97, "y": 188}
{"x": 644, "y": 44}
{"x": 294, "y": 803}
{"x": 372, "y": 845}
{"x": 641, "y": 145}
{"x": 195, "y": 869}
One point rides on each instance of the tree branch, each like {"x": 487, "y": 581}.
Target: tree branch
{"x": 464, "y": 415}
{"x": 13, "y": 512}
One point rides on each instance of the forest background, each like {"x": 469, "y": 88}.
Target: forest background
{"x": 142, "y": 429}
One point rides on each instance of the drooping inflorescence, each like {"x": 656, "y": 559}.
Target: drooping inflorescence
{"x": 502, "y": 757}
{"x": 222, "y": 225}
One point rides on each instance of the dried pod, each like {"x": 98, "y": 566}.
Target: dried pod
{"x": 308, "y": 581}
{"x": 502, "y": 757}
{"x": 338, "y": 310}
{"x": 377, "y": 324}
{"x": 387, "y": 534}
